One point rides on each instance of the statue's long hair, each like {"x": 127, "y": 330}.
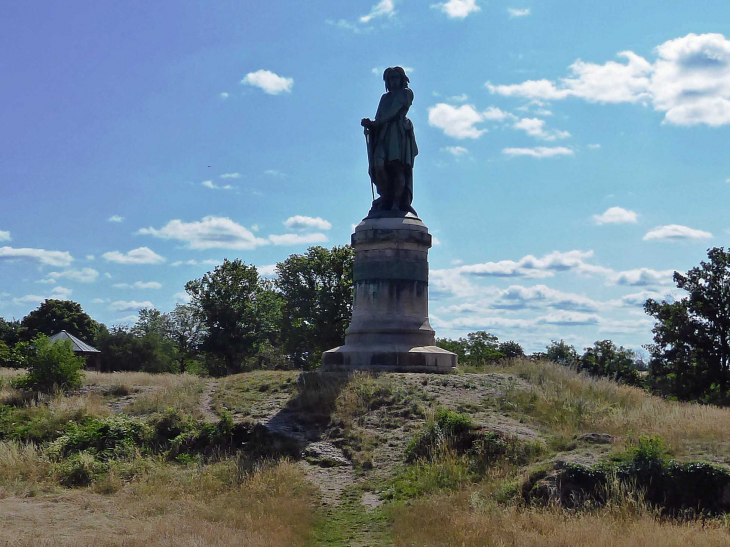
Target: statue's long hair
{"x": 388, "y": 71}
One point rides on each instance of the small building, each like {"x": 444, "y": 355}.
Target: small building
{"x": 93, "y": 355}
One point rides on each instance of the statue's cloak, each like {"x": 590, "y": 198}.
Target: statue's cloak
{"x": 393, "y": 138}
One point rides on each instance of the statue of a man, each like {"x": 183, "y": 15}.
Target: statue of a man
{"x": 392, "y": 145}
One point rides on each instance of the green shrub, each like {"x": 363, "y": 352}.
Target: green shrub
{"x": 79, "y": 470}
{"x": 52, "y": 366}
{"x": 106, "y": 438}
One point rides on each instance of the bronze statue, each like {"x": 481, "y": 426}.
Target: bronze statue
{"x": 392, "y": 145}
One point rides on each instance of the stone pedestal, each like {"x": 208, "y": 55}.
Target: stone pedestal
{"x": 390, "y": 330}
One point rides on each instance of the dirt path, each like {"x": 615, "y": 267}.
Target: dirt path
{"x": 206, "y": 402}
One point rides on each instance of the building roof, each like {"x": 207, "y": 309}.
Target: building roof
{"x": 78, "y": 345}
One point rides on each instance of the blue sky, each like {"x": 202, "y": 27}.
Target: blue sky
{"x": 572, "y": 154}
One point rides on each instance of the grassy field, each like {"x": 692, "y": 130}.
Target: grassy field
{"x": 139, "y": 459}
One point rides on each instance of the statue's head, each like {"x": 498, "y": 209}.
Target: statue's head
{"x": 395, "y": 78}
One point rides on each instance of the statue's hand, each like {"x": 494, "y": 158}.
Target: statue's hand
{"x": 366, "y": 122}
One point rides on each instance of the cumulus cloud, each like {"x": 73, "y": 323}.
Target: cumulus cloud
{"x": 495, "y": 114}
{"x": 4, "y": 235}
{"x": 213, "y": 186}
{"x": 643, "y": 276}
{"x": 514, "y": 12}
{"x": 115, "y": 218}
{"x": 539, "y": 151}
{"x": 689, "y": 81}
{"x": 457, "y": 122}
{"x": 139, "y": 285}
{"x": 210, "y": 233}
{"x": 517, "y": 297}
{"x": 458, "y": 9}
{"x": 42, "y": 256}
{"x": 193, "y": 262}
{"x": 532, "y": 267}
{"x": 231, "y": 176}
{"x": 300, "y": 222}
{"x": 384, "y": 8}
{"x": 298, "y": 239}
{"x": 594, "y": 146}
{"x": 639, "y": 298}
{"x": 61, "y": 293}
{"x": 223, "y": 95}
{"x": 456, "y": 151}
{"x": 83, "y": 275}
{"x": 675, "y": 232}
{"x": 141, "y": 255}
{"x": 132, "y": 305}
{"x": 459, "y": 98}
{"x": 268, "y": 270}
{"x": 269, "y": 82}
{"x": 535, "y": 127}
{"x": 182, "y": 297}
{"x": 616, "y": 215}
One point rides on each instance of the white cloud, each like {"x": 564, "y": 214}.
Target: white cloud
{"x": 300, "y": 222}
{"x": 98, "y": 301}
{"x": 384, "y": 8}
{"x": 271, "y": 83}
{"x": 514, "y": 12}
{"x": 594, "y": 146}
{"x": 139, "y": 285}
{"x": 90, "y": 257}
{"x": 517, "y": 297}
{"x": 455, "y": 151}
{"x": 50, "y": 258}
{"x": 535, "y": 127}
{"x": 231, "y": 176}
{"x": 83, "y": 275}
{"x": 224, "y": 95}
{"x": 115, "y": 218}
{"x": 616, "y": 215}
{"x": 141, "y": 255}
{"x": 298, "y": 239}
{"x": 539, "y": 151}
{"x": 268, "y": 270}
{"x": 29, "y": 299}
{"x": 132, "y": 305}
{"x": 182, "y": 297}
{"x": 193, "y": 262}
{"x": 457, "y": 122}
{"x": 61, "y": 293}
{"x": 274, "y": 173}
{"x": 458, "y": 9}
{"x": 435, "y": 241}
{"x": 532, "y": 267}
{"x": 638, "y": 299}
{"x": 459, "y": 98}
{"x": 210, "y": 233}
{"x": 495, "y": 114}
{"x": 641, "y": 277}
{"x": 689, "y": 81}
{"x": 675, "y": 232}
{"x": 213, "y": 186}
{"x": 4, "y": 235}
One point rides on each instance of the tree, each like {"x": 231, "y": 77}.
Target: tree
{"x": 9, "y": 331}
{"x": 511, "y": 349}
{"x": 184, "y": 327}
{"x": 238, "y": 308}
{"x": 316, "y": 290}
{"x": 53, "y": 316}
{"x": 51, "y": 366}
{"x": 605, "y": 359}
{"x": 690, "y": 355}
{"x": 562, "y": 353}
{"x": 477, "y": 349}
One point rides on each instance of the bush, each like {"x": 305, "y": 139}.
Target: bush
{"x": 79, "y": 470}
{"x": 52, "y": 366}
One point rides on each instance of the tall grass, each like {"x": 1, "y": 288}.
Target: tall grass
{"x": 465, "y": 519}
{"x": 568, "y": 403}
{"x": 181, "y": 392}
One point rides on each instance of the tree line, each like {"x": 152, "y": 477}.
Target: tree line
{"x": 237, "y": 320}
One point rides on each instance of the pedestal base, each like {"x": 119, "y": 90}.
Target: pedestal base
{"x": 390, "y": 330}
{"x": 389, "y": 358}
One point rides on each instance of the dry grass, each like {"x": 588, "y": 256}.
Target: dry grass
{"x": 465, "y": 519}
{"x": 254, "y": 393}
{"x": 215, "y": 505}
{"x": 568, "y": 403}
{"x": 131, "y": 380}
{"x": 181, "y": 391}
{"x": 22, "y": 468}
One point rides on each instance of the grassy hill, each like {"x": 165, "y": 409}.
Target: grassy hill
{"x": 520, "y": 454}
